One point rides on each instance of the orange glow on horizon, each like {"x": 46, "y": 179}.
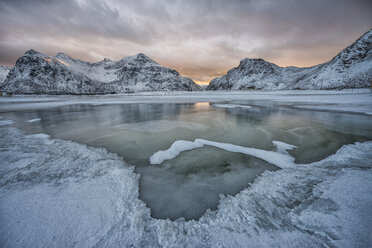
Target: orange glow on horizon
{"x": 201, "y": 83}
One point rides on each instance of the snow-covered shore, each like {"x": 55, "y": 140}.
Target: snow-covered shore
{"x": 57, "y": 193}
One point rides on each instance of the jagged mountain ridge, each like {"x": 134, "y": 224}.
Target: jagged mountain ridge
{"x": 3, "y": 73}
{"x": 351, "y": 68}
{"x": 36, "y": 73}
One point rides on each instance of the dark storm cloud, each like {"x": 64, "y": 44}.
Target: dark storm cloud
{"x": 202, "y": 39}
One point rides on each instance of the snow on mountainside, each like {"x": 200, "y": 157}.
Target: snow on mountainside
{"x": 3, "y": 73}
{"x": 351, "y": 68}
{"x": 36, "y": 73}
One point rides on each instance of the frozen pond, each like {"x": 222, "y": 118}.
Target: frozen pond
{"x": 190, "y": 183}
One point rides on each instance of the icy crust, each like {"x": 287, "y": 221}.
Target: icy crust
{"x": 280, "y": 158}
{"x": 56, "y": 193}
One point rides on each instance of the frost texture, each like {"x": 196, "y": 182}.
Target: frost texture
{"x": 36, "y": 73}
{"x": 351, "y": 68}
{"x": 56, "y": 193}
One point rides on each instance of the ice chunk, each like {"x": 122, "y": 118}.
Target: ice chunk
{"x": 176, "y": 148}
{"x": 232, "y": 106}
{"x": 281, "y": 158}
{"x": 33, "y": 120}
{"x": 283, "y": 147}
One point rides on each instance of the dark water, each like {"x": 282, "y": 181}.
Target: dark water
{"x": 192, "y": 182}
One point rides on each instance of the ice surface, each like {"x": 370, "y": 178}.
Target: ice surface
{"x": 56, "y": 193}
{"x": 34, "y": 120}
{"x": 162, "y": 126}
{"x": 6, "y": 122}
{"x": 352, "y": 101}
{"x": 281, "y": 158}
{"x": 232, "y": 106}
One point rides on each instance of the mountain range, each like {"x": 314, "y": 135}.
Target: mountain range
{"x": 36, "y": 73}
{"x": 351, "y": 68}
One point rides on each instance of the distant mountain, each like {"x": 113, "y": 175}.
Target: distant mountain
{"x": 3, "y": 73}
{"x": 36, "y": 73}
{"x": 351, "y": 68}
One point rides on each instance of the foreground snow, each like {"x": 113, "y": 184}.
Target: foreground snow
{"x": 56, "y": 193}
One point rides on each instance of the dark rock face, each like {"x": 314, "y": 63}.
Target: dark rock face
{"x": 351, "y": 68}
{"x": 36, "y": 73}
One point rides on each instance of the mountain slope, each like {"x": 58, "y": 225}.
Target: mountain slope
{"x": 3, "y": 73}
{"x": 351, "y": 68}
{"x": 36, "y": 73}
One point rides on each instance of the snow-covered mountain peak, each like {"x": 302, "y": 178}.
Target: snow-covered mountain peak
{"x": 61, "y": 55}
{"x": 257, "y": 66}
{"x": 358, "y": 51}
{"x": 33, "y": 52}
{"x": 36, "y": 73}
{"x": 351, "y": 68}
{"x": 140, "y": 59}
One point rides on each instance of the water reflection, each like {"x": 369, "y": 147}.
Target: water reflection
{"x": 201, "y": 106}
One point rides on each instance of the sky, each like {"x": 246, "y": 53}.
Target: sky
{"x": 200, "y": 39}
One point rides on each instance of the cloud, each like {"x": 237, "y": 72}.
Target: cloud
{"x": 201, "y": 39}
